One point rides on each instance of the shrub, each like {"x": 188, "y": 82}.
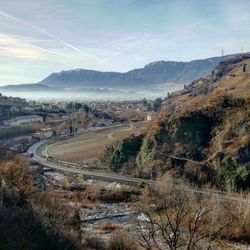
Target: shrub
{"x": 110, "y": 227}
{"x": 199, "y": 175}
{"x": 94, "y": 242}
{"x": 21, "y": 229}
{"x": 93, "y": 192}
{"x": 57, "y": 217}
{"x": 17, "y": 175}
{"x": 174, "y": 216}
{"x": 81, "y": 177}
{"x": 117, "y": 195}
{"x": 122, "y": 242}
{"x": 119, "y": 153}
{"x": 231, "y": 175}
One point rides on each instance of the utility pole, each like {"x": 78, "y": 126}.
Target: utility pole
{"x": 241, "y": 50}
{"x": 222, "y": 52}
{"x": 77, "y": 120}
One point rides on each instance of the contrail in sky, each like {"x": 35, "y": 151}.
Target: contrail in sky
{"x": 177, "y": 34}
{"x": 100, "y": 61}
{"x": 50, "y": 35}
{"x": 125, "y": 49}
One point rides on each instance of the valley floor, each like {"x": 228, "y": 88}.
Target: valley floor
{"x": 87, "y": 147}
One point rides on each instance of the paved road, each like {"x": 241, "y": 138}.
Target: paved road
{"x": 37, "y": 151}
{"x": 38, "y": 148}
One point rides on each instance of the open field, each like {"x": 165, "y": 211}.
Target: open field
{"x": 86, "y": 148}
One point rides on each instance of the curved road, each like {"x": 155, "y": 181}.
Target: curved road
{"x": 38, "y": 148}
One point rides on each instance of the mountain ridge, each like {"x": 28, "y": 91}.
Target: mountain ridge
{"x": 151, "y": 75}
{"x": 154, "y": 73}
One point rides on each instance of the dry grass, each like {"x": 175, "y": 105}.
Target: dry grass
{"x": 122, "y": 241}
{"x": 229, "y": 212}
{"x": 95, "y": 192}
{"x": 237, "y": 85}
{"x": 87, "y": 147}
{"x": 110, "y": 227}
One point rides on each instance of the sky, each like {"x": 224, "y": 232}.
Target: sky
{"x": 39, "y": 37}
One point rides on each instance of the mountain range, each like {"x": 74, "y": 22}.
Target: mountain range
{"x": 153, "y": 74}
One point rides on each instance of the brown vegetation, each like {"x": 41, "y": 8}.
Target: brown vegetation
{"x": 122, "y": 241}
{"x": 21, "y": 229}
{"x": 56, "y": 216}
{"x": 32, "y": 220}
{"x": 193, "y": 145}
{"x": 95, "y": 192}
{"x": 174, "y": 216}
{"x": 110, "y": 227}
{"x": 16, "y": 178}
{"x": 94, "y": 242}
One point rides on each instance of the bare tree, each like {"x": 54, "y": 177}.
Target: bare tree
{"x": 175, "y": 217}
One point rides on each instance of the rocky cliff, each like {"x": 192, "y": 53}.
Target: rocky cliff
{"x": 203, "y": 131}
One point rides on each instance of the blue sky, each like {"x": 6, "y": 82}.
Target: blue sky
{"x": 40, "y": 37}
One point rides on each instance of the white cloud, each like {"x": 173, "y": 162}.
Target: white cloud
{"x": 15, "y": 48}
{"x": 43, "y": 31}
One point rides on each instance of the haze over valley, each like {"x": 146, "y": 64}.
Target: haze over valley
{"x": 124, "y": 125}
{"x": 152, "y": 81}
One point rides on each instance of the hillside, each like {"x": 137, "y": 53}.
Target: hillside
{"x": 202, "y": 132}
{"x": 152, "y": 74}
{"x": 226, "y": 78}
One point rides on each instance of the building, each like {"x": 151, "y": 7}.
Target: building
{"x": 10, "y": 106}
{"x": 5, "y": 112}
{"x": 149, "y": 117}
{"x": 47, "y": 106}
{"x": 23, "y": 120}
{"x": 46, "y": 132}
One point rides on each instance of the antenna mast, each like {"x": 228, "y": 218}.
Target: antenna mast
{"x": 222, "y": 52}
